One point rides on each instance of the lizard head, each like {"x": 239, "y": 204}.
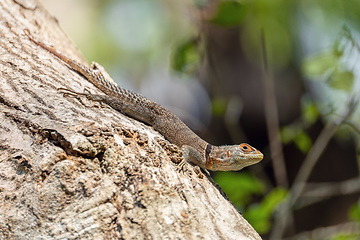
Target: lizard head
{"x": 233, "y": 158}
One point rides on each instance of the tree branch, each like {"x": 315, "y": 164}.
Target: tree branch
{"x": 272, "y": 120}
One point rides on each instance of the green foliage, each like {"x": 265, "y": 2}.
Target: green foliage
{"x": 303, "y": 142}
{"x": 354, "y": 212}
{"x": 230, "y": 14}
{"x": 342, "y": 80}
{"x": 239, "y": 186}
{"x": 309, "y": 111}
{"x": 218, "y": 106}
{"x": 320, "y": 64}
{"x": 186, "y": 57}
{"x": 288, "y": 133}
{"x": 345, "y": 236}
{"x": 295, "y": 133}
{"x": 329, "y": 66}
{"x": 259, "y": 215}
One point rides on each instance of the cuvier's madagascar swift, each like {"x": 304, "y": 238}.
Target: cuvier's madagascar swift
{"x": 195, "y": 149}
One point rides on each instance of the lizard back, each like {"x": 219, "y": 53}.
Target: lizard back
{"x": 134, "y": 104}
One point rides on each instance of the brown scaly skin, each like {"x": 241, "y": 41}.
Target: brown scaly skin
{"x": 195, "y": 149}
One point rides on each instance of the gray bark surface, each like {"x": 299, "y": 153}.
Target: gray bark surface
{"x": 69, "y": 171}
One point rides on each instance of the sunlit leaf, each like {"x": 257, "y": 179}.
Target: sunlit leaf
{"x": 239, "y": 186}
{"x": 259, "y": 215}
{"x": 294, "y": 133}
{"x": 288, "y": 133}
{"x": 342, "y": 80}
{"x": 354, "y": 212}
{"x": 186, "y": 57}
{"x": 309, "y": 111}
{"x": 303, "y": 142}
{"x": 319, "y": 64}
{"x": 230, "y": 13}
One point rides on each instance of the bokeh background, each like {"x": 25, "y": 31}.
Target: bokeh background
{"x": 281, "y": 75}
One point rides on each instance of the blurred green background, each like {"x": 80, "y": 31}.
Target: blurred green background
{"x": 281, "y": 75}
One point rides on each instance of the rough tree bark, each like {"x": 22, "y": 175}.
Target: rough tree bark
{"x": 71, "y": 171}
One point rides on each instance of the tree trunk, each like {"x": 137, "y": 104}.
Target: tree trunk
{"x": 70, "y": 170}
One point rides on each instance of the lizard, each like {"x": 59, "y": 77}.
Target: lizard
{"x": 194, "y": 149}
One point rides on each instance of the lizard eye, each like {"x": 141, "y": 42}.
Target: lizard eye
{"x": 228, "y": 153}
{"x": 245, "y": 147}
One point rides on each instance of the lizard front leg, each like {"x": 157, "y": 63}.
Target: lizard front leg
{"x": 192, "y": 155}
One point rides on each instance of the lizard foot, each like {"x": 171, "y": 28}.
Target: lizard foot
{"x": 181, "y": 166}
{"x": 72, "y": 93}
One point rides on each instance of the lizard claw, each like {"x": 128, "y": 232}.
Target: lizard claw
{"x": 69, "y": 92}
{"x": 181, "y": 166}
{"x": 72, "y": 93}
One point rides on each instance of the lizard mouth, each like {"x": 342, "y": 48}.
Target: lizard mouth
{"x": 259, "y": 156}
